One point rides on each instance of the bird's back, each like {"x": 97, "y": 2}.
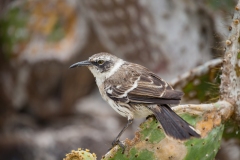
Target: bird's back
{"x": 136, "y": 84}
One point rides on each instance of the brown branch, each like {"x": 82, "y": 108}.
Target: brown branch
{"x": 230, "y": 79}
{"x": 224, "y": 108}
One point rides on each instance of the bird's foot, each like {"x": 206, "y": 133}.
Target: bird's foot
{"x": 117, "y": 142}
{"x": 149, "y": 116}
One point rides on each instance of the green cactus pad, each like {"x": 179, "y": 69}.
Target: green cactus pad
{"x": 133, "y": 154}
{"x": 150, "y": 142}
{"x": 205, "y": 148}
{"x": 152, "y": 133}
{"x": 201, "y": 87}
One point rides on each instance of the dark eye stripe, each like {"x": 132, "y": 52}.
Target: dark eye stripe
{"x": 99, "y": 63}
{"x": 94, "y": 63}
{"x": 102, "y": 67}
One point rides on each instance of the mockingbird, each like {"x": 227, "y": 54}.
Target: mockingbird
{"x": 133, "y": 91}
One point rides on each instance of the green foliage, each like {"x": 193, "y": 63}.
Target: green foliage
{"x": 203, "y": 88}
{"x": 238, "y": 55}
{"x": 221, "y": 4}
{"x": 232, "y": 130}
{"x": 21, "y": 23}
{"x": 13, "y": 32}
{"x": 201, "y": 95}
{"x": 57, "y": 33}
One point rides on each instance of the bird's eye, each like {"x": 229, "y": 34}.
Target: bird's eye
{"x": 100, "y": 62}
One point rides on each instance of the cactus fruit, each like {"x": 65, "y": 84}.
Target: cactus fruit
{"x": 80, "y": 155}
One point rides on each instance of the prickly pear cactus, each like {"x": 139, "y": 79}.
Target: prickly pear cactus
{"x": 80, "y": 155}
{"x": 150, "y": 141}
{"x": 201, "y": 84}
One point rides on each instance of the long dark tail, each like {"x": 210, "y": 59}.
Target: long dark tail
{"x": 173, "y": 125}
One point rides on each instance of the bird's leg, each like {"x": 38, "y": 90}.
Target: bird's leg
{"x": 116, "y": 140}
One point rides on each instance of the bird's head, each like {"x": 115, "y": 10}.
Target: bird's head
{"x": 102, "y": 65}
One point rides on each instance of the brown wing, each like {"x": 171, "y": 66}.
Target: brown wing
{"x": 142, "y": 86}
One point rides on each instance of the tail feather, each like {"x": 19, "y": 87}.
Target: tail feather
{"x": 173, "y": 125}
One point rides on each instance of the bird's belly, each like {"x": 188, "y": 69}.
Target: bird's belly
{"x": 130, "y": 111}
{"x": 140, "y": 110}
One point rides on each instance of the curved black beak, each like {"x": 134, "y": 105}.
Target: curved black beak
{"x": 79, "y": 64}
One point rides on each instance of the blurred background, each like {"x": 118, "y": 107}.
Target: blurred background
{"x": 47, "y": 110}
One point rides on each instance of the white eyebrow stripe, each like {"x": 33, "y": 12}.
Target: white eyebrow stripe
{"x": 119, "y": 63}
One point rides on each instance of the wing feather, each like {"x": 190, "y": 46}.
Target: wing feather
{"x": 142, "y": 86}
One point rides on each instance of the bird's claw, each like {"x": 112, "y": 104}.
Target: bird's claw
{"x": 117, "y": 142}
{"x": 150, "y": 116}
